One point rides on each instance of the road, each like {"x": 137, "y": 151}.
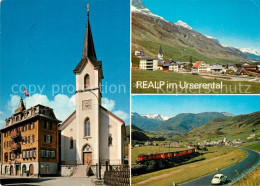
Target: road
{"x": 46, "y": 181}
{"x": 234, "y": 172}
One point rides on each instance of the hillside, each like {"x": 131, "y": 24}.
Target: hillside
{"x": 178, "y": 40}
{"x": 180, "y": 124}
{"x": 233, "y": 127}
{"x": 140, "y": 135}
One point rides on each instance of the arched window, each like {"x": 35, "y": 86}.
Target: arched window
{"x": 110, "y": 140}
{"x": 86, "y": 81}
{"x": 87, "y": 127}
{"x": 71, "y": 142}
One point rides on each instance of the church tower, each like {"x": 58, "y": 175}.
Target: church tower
{"x": 88, "y": 100}
{"x": 160, "y": 53}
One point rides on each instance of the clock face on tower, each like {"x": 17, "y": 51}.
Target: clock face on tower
{"x": 86, "y": 104}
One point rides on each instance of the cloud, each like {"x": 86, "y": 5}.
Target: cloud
{"x": 1, "y": 113}
{"x": 109, "y": 104}
{"x": 121, "y": 114}
{"x": 62, "y": 105}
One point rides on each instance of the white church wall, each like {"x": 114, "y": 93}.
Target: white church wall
{"x": 68, "y": 155}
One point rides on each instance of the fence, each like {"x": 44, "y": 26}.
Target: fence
{"x": 119, "y": 178}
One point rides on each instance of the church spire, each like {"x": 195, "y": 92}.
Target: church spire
{"x": 160, "y": 50}
{"x": 88, "y": 48}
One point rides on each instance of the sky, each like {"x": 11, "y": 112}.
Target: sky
{"x": 172, "y": 105}
{"x": 233, "y": 22}
{"x": 41, "y": 44}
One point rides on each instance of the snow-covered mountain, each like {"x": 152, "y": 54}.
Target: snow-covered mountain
{"x": 227, "y": 114}
{"x": 155, "y": 116}
{"x": 251, "y": 51}
{"x": 183, "y": 24}
{"x": 138, "y": 7}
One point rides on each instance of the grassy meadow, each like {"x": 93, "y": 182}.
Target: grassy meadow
{"x": 229, "y": 87}
{"x": 215, "y": 158}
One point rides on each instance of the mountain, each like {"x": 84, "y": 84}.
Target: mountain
{"x": 233, "y": 127}
{"x": 144, "y": 122}
{"x": 155, "y": 116}
{"x": 182, "y": 123}
{"x": 178, "y": 40}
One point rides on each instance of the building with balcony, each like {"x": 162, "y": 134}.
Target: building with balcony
{"x": 29, "y": 142}
{"x": 147, "y": 63}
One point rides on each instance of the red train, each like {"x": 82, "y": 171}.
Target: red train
{"x": 141, "y": 158}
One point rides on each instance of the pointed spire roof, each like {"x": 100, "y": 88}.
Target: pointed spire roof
{"x": 160, "y": 50}
{"x": 88, "y": 51}
{"x": 88, "y": 48}
{"x": 21, "y": 106}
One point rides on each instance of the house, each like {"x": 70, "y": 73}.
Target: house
{"x": 147, "y": 143}
{"x": 241, "y": 71}
{"x": 230, "y": 66}
{"x": 147, "y": 63}
{"x": 139, "y": 53}
{"x": 160, "y": 64}
{"x": 258, "y": 67}
{"x": 249, "y": 67}
{"x": 174, "y": 67}
{"x": 200, "y": 67}
{"x": 240, "y": 64}
{"x": 216, "y": 69}
{"x": 92, "y": 134}
{"x": 30, "y": 142}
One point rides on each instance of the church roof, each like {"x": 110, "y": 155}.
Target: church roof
{"x": 160, "y": 50}
{"x": 88, "y": 52}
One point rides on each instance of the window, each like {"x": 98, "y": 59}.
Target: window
{"x": 48, "y": 138}
{"x": 49, "y": 125}
{"x": 24, "y": 139}
{"x": 31, "y": 126}
{"x": 110, "y": 139}
{"x": 24, "y": 128}
{"x": 6, "y": 156}
{"x": 42, "y": 153}
{"x": 31, "y": 153}
{"x": 86, "y": 81}
{"x": 34, "y": 153}
{"x": 52, "y": 154}
{"x": 27, "y": 154}
{"x": 71, "y": 142}
{"x": 24, "y": 154}
{"x": 11, "y": 156}
{"x": 47, "y": 153}
{"x": 87, "y": 127}
{"x": 31, "y": 138}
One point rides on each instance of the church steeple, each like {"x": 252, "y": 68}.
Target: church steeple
{"x": 160, "y": 53}
{"x": 88, "y": 48}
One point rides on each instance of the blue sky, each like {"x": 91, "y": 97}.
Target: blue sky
{"x": 42, "y": 41}
{"x": 233, "y": 22}
{"x": 173, "y": 105}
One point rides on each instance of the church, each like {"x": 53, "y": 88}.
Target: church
{"x": 91, "y": 134}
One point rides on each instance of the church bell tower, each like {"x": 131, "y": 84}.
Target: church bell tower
{"x": 89, "y": 77}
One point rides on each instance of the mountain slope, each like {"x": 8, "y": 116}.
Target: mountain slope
{"x": 235, "y": 127}
{"x": 178, "y": 41}
{"x": 140, "y": 135}
{"x": 182, "y": 123}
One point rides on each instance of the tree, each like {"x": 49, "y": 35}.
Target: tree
{"x": 190, "y": 59}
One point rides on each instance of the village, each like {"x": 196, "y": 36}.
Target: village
{"x": 239, "y": 71}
